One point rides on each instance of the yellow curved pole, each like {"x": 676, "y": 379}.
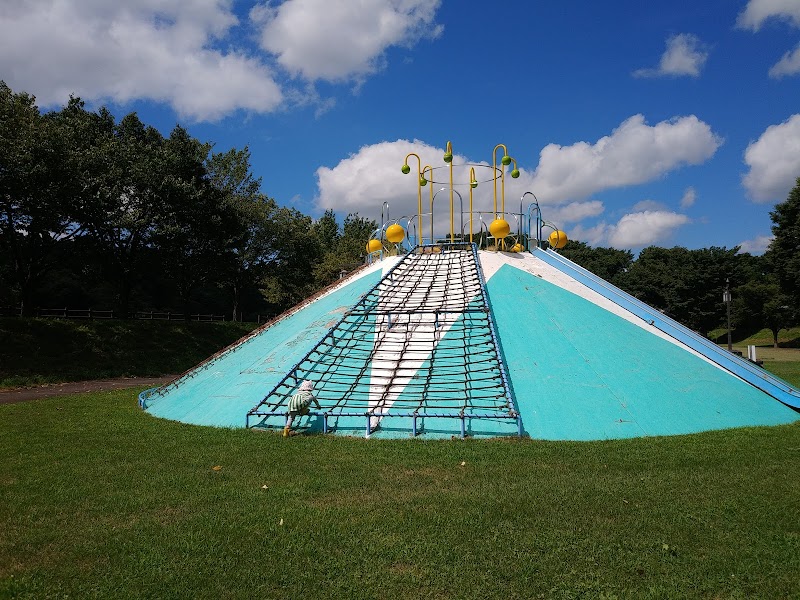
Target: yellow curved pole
{"x": 428, "y": 168}
{"x": 419, "y": 187}
{"x": 449, "y": 151}
{"x": 494, "y": 170}
{"x": 471, "y": 186}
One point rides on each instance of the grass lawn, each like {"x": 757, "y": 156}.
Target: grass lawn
{"x": 100, "y": 500}
{"x": 783, "y": 362}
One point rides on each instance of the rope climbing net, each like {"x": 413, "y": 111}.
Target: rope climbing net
{"x": 420, "y": 344}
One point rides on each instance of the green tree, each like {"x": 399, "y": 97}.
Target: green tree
{"x": 759, "y": 303}
{"x": 327, "y": 231}
{"x": 37, "y": 193}
{"x": 347, "y": 253}
{"x": 121, "y": 169}
{"x": 253, "y": 242}
{"x": 607, "y": 263}
{"x": 784, "y": 250}
{"x": 686, "y": 284}
{"x": 192, "y": 228}
{"x": 288, "y": 268}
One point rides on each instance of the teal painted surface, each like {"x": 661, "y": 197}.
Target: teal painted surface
{"x": 579, "y": 372}
{"x": 763, "y": 380}
{"x": 222, "y": 394}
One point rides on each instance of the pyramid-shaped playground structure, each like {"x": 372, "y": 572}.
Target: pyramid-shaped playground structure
{"x": 482, "y": 333}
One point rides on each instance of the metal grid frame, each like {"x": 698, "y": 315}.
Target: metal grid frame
{"x": 420, "y": 344}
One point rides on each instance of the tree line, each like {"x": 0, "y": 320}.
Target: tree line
{"x": 101, "y": 213}
{"x": 96, "y": 212}
{"x": 688, "y": 285}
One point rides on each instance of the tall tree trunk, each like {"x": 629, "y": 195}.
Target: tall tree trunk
{"x": 26, "y": 281}
{"x": 25, "y": 302}
{"x": 124, "y": 295}
{"x": 237, "y": 299}
{"x": 185, "y": 293}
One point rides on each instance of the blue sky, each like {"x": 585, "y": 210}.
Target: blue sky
{"x": 634, "y": 123}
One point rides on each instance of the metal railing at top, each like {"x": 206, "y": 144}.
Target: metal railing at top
{"x": 525, "y": 228}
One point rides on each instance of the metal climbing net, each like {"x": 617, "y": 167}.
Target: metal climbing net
{"x": 420, "y": 344}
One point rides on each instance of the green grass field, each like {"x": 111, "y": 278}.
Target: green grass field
{"x": 783, "y": 361}
{"x": 100, "y": 500}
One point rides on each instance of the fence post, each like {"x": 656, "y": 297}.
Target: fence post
{"x": 90, "y": 314}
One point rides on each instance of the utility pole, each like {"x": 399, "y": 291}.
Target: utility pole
{"x": 726, "y": 298}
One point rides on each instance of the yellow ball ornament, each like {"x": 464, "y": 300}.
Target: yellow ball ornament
{"x": 395, "y": 233}
{"x": 558, "y": 239}
{"x": 499, "y": 228}
{"x": 374, "y": 246}
{"x": 517, "y": 247}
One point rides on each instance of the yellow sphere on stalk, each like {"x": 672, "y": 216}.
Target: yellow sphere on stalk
{"x": 395, "y": 233}
{"x": 499, "y": 228}
{"x": 374, "y": 246}
{"x": 558, "y": 239}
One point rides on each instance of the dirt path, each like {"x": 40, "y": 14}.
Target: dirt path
{"x": 80, "y": 387}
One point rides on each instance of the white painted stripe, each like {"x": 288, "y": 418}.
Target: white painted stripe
{"x": 404, "y": 344}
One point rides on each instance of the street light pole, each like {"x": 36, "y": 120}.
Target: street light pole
{"x": 726, "y": 297}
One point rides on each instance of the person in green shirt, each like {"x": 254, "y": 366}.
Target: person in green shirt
{"x": 299, "y": 403}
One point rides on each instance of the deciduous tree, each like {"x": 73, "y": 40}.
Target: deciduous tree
{"x": 784, "y": 250}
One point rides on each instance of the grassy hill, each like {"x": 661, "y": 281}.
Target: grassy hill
{"x": 37, "y": 351}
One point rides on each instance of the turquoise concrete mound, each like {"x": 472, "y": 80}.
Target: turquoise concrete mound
{"x": 577, "y": 366}
{"x": 579, "y": 372}
{"x": 223, "y": 390}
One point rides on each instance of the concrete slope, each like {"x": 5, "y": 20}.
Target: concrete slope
{"x": 220, "y": 391}
{"x": 582, "y": 370}
{"x": 754, "y": 375}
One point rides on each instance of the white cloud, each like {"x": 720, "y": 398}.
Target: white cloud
{"x": 644, "y": 205}
{"x": 634, "y": 153}
{"x": 341, "y": 39}
{"x": 190, "y": 55}
{"x": 689, "y": 198}
{"x": 758, "y": 11}
{"x": 365, "y": 180}
{"x": 788, "y": 65}
{"x": 636, "y": 230}
{"x": 573, "y": 212}
{"x": 685, "y": 55}
{"x": 137, "y": 49}
{"x": 594, "y": 236}
{"x": 633, "y": 230}
{"x": 756, "y": 246}
{"x": 774, "y": 161}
